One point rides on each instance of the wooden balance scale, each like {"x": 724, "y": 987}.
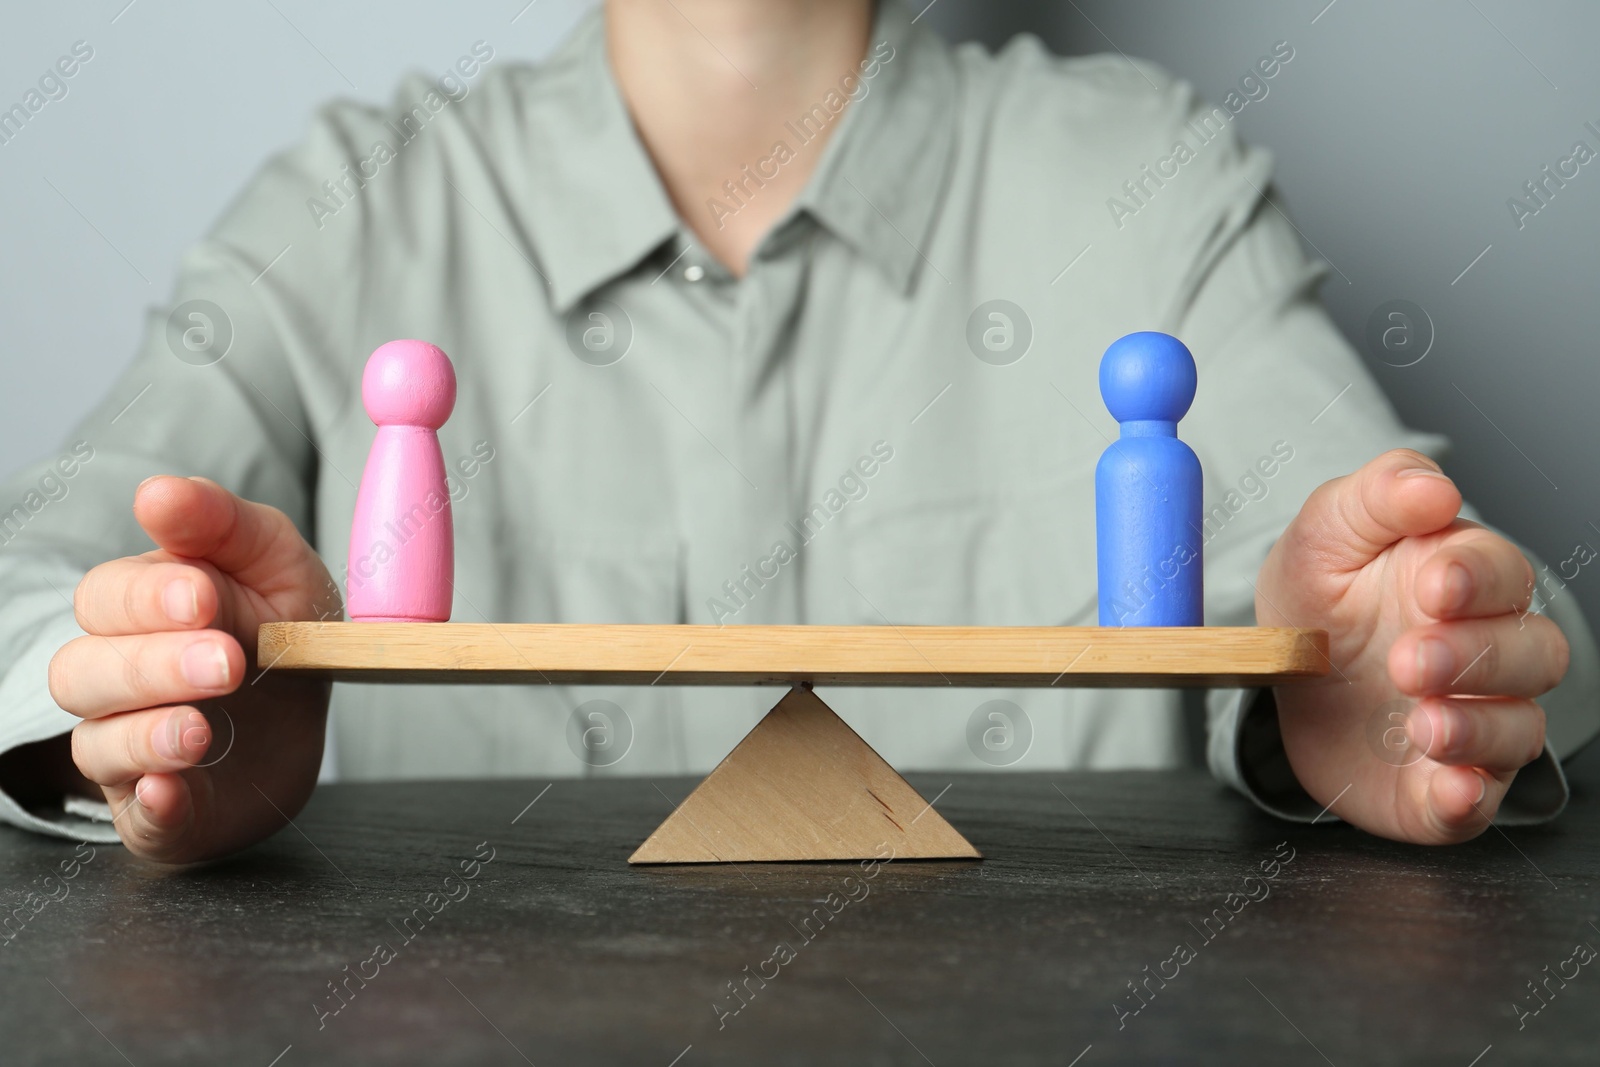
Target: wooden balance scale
{"x": 801, "y": 785}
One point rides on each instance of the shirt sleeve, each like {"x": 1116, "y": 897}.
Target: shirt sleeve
{"x": 242, "y": 377}
{"x": 30, "y": 715}
{"x": 210, "y": 393}
{"x": 1286, "y": 404}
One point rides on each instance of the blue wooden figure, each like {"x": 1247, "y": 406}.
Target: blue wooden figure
{"x": 1147, "y": 488}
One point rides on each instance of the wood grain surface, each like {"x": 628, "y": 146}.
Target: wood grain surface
{"x": 1364, "y": 951}
{"x": 584, "y": 654}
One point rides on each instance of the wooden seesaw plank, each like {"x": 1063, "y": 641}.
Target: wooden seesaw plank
{"x": 604, "y": 654}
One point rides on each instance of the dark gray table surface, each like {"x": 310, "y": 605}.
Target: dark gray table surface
{"x": 1358, "y": 951}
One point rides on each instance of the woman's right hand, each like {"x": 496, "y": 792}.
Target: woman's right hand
{"x": 197, "y": 751}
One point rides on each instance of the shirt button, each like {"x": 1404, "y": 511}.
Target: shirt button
{"x": 693, "y": 272}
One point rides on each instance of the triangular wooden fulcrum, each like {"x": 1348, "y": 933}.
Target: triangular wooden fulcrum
{"x": 802, "y": 786}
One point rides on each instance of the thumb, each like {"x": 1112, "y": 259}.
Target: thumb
{"x": 1348, "y": 522}
{"x": 256, "y": 545}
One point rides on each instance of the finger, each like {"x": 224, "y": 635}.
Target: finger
{"x": 121, "y": 749}
{"x": 154, "y": 815}
{"x": 1475, "y": 574}
{"x": 94, "y": 676}
{"x": 1350, "y": 520}
{"x": 1461, "y": 801}
{"x": 256, "y": 544}
{"x": 1494, "y": 734}
{"x": 136, "y": 595}
{"x": 1504, "y": 656}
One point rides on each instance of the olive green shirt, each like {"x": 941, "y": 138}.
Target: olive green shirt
{"x": 892, "y": 418}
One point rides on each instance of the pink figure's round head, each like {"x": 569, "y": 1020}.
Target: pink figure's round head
{"x": 409, "y": 383}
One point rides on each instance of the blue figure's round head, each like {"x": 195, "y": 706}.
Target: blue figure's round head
{"x": 1147, "y": 376}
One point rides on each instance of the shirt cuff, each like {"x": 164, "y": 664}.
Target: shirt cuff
{"x": 1245, "y": 751}
{"x": 27, "y": 714}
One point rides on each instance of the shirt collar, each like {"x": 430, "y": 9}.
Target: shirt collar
{"x": 597, "y": 207}
{"x": 878, "y": 185}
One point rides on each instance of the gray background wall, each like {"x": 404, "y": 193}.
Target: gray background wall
{"x": 1400, "y": 131}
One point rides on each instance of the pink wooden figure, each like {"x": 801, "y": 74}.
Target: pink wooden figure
{"x": 402, "y": 540}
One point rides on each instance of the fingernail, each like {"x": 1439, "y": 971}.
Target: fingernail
{"x": 1452, "y": 725}
{"x": 167, "y": 738}
{"x": 196, "y": 734}
{"x": 181, "y": 600}
{"x": 205, "y": 665}
{"x": 162, "y": 821}
{"x": 1457, "y": 587}
{"x": 181, "y": 737}
{"x": 1422, "y": 472}
{"x": 1435, "y": 662}
{"x": 144, "y": 483}
{"x": 1483, "y": 789}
